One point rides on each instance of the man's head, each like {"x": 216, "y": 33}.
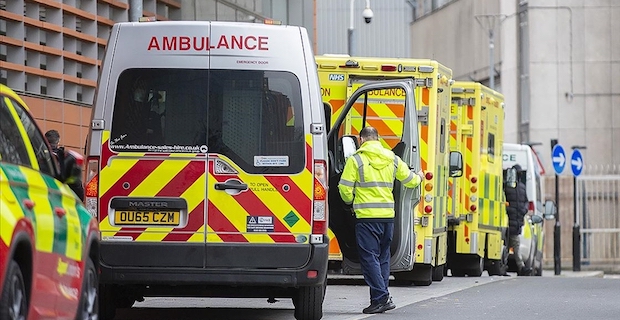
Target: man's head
{"x": 53, "y": 137}
{"x": 368, "y": 134}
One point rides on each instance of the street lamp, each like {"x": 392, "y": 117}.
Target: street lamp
{"x": 367, "y": 14}
{"x": 576, "y": 231}
{"x": 490, "y": 22}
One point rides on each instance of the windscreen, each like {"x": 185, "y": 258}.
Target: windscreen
{"x": 252, "y": 117}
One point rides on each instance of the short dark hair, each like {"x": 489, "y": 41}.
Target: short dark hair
{"x": 53, "y": 137}
{"x": 369, "y": 133}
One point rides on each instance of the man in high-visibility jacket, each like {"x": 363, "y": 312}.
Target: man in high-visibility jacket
{"x": 366, "y": 183}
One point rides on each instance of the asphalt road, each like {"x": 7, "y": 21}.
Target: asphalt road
{"x": 549, "y": 297}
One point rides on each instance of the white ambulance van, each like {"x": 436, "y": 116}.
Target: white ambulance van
{"x": 208, "y": 165}
{"x": 532, "y": 234}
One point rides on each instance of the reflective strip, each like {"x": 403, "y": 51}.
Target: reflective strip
{"x": 375, "y": 205}
{"x": 375, "y": 184}
{"x": 409, "y": 178}
{"x": 360, "y": 166}
{"x": 347, "y": 183}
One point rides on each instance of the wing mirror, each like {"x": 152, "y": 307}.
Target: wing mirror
{"x": 550, "y": 210}
{"x": 536, "y": 219}
{"x": 456, "y": 164}
{"x": 349, "y": 145}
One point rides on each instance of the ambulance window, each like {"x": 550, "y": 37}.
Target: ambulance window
{"x": 12, "y": 147}
{"x": 491, "y": 147}
{"x": 253, "y": 117}
{"x": 39, "y": 145}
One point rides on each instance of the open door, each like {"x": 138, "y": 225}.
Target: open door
{"x": 356, "y": 114}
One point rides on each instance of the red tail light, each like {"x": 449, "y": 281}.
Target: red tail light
{"x": 388, "y": 67}
{"x": 428, "y": 175}
{"x": 319, "y": 205}
{"x": 532, "y": 206}
{"x": 91, "y": 192}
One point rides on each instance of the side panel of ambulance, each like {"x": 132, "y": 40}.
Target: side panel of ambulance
{"x": 207, "y": 164}
{"x": 477, "y": 225}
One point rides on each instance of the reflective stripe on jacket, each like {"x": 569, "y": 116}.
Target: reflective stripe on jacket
{"x": 368, "y": 179}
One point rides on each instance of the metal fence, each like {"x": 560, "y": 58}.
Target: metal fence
{"x": 593, "y": 200}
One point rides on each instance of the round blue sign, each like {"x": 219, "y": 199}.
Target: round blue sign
{"x": 576, "y": 162}
{"x": 558, "y": 157}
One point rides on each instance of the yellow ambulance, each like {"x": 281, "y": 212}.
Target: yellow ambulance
{"x": 339, "y": 76}
{"x": 477, "y": 220}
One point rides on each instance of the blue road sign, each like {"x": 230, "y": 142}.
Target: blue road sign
{"x": 558, "y": 157}
{"x": 576, "y": 162}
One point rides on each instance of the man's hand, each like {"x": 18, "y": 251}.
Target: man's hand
{"x": 421, "y": 174}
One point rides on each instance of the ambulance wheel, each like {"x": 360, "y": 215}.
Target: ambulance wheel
{"x": 107, "y": 303}
{"x": 458, "y": 272}
{"x": 88, "y": 308}
{"x": 438, "y": 272}
{"x": 308, "y": 302}
{"x": 14, "y": 303}
{"x": 477, "y": 266}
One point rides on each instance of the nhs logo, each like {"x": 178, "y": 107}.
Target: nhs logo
{"x": 336, "y": 77}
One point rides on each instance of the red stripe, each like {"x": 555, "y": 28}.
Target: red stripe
{"x": 218, "y": 222}
{"x": 309, "y": 158}
{"x": 295, "y": 196}
{"x": 196, "y": 220}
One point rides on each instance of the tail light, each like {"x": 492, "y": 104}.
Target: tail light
{"x": 428, "y": 209}
{"x": 532, "y": 207}
{"x": 91, "y": 191}
{"x": 473, "y": 207}
{"x": 319, "y": 204}
{"x": 428, "y": 175}
{"x": 388, "y": 67}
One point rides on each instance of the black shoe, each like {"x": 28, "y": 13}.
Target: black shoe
{"x": 379, "y": 307}
{"x": 525, "y": 271}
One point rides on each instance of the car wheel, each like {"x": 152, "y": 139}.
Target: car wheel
{"x": 88, "y": 309}
{"x": 308, "y": 302}
{"x": 14, "y": 302}
{"x": 476, "y": 267}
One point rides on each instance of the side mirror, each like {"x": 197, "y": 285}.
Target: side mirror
{"x": 536, "y": 219}
{"x": 550, "y": 210}
{"x": 456, "y": 164}
{"x": 349, "y": 145}
{"x": 511, "y": 177}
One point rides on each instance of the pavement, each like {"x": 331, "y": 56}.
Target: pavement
{"x": 576, "y": 274}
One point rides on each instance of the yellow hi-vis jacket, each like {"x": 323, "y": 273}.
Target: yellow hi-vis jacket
{"x": 368, "y": 179}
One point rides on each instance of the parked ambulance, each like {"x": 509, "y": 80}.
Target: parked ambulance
{"x": 208, "y": 164}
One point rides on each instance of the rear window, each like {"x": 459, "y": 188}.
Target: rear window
{"x": 252, "y": 117}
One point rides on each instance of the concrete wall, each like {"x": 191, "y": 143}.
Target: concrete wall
{"x": 574, "y": 52}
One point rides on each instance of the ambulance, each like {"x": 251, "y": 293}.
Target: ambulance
{"x": 477, "y": 219}
{"x": 209, "y": 164}
{"x": 532, "y": 233}
{"x": 339, "y": 77}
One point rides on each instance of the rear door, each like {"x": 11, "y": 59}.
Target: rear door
{"x": 357, "y": 113}
{"x": 260, "y": 170}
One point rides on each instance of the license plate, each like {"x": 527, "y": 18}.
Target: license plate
{"x": 158, "y": 218}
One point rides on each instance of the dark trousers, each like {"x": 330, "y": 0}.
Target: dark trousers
{"x": 373, "y": 243}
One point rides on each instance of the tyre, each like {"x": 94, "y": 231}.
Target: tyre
{"x": 499, "y": 267}
{"x": 107, "y": 303}
{"x": 14, "y": 299}
{"x": 88, "y": 308}
{"x": 308, "y": 302}
{"x": 476, "y": 266}
{"x": 438, "y": 272}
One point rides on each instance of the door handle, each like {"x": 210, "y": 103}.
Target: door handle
{"x": 231, "y": 184}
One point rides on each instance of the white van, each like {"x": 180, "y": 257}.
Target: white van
{"x": 532, "y": 235}
{"x": 208, "y": 165}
